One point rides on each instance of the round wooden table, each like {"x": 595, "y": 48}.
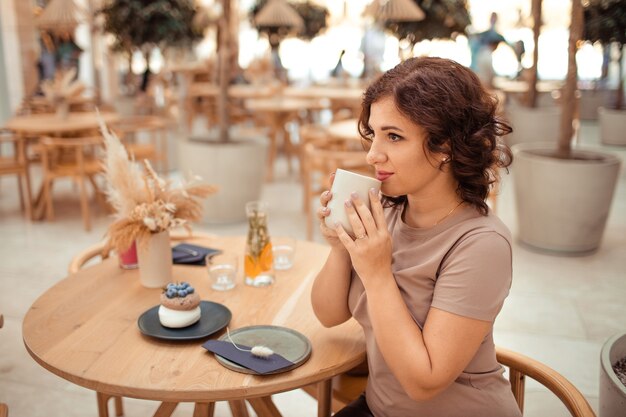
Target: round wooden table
{"x": 84, "y": 329}
{"x": 51, "y": 124}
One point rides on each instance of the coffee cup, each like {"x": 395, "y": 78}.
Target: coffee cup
{"x": 344, "y": 185}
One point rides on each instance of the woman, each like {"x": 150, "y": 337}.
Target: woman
{"x": 429, "y": 267}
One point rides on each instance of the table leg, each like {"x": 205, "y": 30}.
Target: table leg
{"x": 165, "y": 409}
{"x": 103, "y": 404}
{"x": 264, "y": 407}
{"x": 204, "y": 410}
{"x": 238, "y": 408}
{"x": 324, "y": 396}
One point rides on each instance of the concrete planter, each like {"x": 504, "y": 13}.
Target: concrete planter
{"x": 237, "y": 168}
{"x": 533, "y": 124}
{"x": 612, "y": 391}
{"x": 562, "y": 205}
{"x": 612, "y": 126}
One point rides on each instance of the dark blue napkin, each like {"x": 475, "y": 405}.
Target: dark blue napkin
{"x": 188, "y": 254}
{"x": 226, "y": 350}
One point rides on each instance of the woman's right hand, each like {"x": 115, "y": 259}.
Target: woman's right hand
{"x": 329, "y": 233}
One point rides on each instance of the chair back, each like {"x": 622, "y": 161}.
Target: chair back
{"x": 16, "y": 163}
{"x": 71, "y": 156}
{"x": 321, "y": 156}
{"x": 521, "y": 366}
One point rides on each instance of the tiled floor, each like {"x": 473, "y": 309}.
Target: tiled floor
{"x": 560, "y": 310}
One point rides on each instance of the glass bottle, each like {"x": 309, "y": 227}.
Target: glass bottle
{"x": 258, "y": 263}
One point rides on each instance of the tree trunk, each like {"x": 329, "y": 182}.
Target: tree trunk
{"x": 531, "y": 98}
{"x": 223, "y": 53}
{"x": 569, "y": 89}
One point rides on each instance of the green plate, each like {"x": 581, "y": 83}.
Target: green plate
{"x": 288, "y": 343}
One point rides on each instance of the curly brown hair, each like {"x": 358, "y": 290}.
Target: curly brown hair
{"x": 459, "y": 116}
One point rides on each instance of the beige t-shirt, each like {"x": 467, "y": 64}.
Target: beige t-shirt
{"x": 463, "y": 266}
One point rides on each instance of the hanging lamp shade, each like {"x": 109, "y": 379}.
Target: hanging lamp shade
{"x": 395, "y": 10}
{"x": 61, "y": 16}
{"x": 278, "y": 13}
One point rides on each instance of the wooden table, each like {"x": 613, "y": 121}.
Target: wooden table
{"x": 279, "y": 110}
{"x": 51, "y": 124}
{"x": 84, "y": 329}
{"x": 340, "y": 97}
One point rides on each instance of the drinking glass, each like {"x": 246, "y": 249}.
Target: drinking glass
{"x": 283, "y": 250}
{"x": 223, "y": 270}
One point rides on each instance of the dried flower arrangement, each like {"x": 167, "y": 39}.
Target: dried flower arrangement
{"x": 144, "y": 202}
{"x": 63, "y": 87}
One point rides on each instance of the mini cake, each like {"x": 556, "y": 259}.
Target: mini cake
{"x": 180, "y": 306}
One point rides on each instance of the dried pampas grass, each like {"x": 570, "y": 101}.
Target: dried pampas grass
{"x": 145, "y": 203}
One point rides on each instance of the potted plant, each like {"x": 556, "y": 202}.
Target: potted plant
{"x": 535, "y": 115}
{"x": 563, "y": 195}
{"x": 605, "y": 22}
{"x": 232, "y": 158}
{"x": 137, "y": 25}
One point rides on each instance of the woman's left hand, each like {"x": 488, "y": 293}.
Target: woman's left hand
{"x": 370, "y": 250}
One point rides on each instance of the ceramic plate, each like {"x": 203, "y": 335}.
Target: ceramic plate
{"x": 213, "y": 317}
{"x": 288, "y": 343}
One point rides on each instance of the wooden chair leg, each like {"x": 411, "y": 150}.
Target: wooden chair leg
{"x": 264, "y": 407}
{"x": 20, "y": 190}
{"x": 84, "y": 204}
{"x": 47, "y": 196}
{"x": 29, "y": 195}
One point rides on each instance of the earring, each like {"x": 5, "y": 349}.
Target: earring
{"x": 445, "y": 159}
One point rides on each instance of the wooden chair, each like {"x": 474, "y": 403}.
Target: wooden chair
{"x": 145, "y": 137}
{"x": 17, "y": 164}
{"x": 75, "y": 158}
{"x": 321, "y": 156}
{"x": 347, "y": 388}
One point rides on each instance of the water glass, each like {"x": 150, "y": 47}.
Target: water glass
{"x": 283, "y": 250}
{"x": 222, "y": 271}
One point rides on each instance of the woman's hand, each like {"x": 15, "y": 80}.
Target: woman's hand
{"x": 370, "y": 251}
{"x": 328, "y": 233}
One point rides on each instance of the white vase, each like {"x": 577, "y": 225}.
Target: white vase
{"x": 155, "y": 260}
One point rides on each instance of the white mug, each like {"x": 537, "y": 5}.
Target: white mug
{"x": 346, "y": 183}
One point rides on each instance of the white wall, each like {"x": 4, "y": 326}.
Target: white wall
{"x": 10, "y": 64}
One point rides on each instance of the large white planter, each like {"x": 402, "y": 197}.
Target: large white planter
{"x": 612, "y": 126}
{"x": 237, "y": 168}
{"x": 533, "y": 124}
{"x": 562, "y": 204}
{"x": 155, "y": 260}
{"x": 612, "y": 391}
